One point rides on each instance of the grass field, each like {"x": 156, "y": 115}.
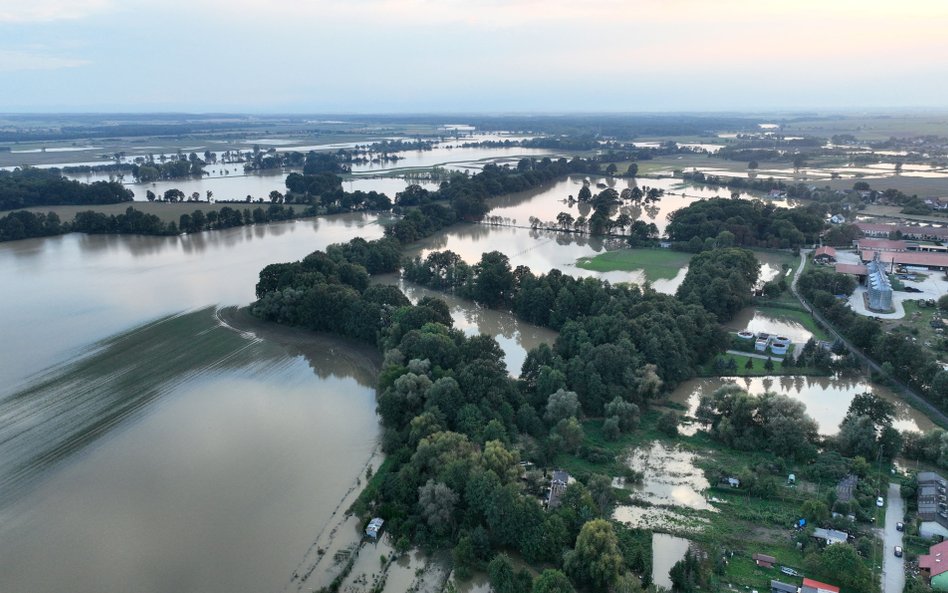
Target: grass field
{"x": 656, "y": 263}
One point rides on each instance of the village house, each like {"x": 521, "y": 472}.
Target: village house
{"x": 934, "y": 566}
{"x": 825, "y": 255}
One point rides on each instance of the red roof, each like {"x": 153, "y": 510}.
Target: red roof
{"x": 854, "y": 269}
{"x": 820, "y": 586}
{"x": 911, "y": 258}
{"x": 872, "y": 227}
{"x": 885, "y": 244}
{"x": 936, "y": 561}
{"x": 825, "y": 251}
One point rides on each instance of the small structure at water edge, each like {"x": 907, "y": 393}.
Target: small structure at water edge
{"x": 763, "y": 340}
{"x": 374, "y": 527}
{"x": 811, "y": 586}
{"x": 934, "y": 566}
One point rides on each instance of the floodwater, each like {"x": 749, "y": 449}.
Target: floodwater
{"x": 242, "y": 456}
{"x": 539, "y": 250}
{"x": 667, "y": 550}
{"x": 63, "y": 293}
{"x": 756, "y": 321}
{"x": 545, "y": 203}
{"x": 148, "y": 450}
{"x": 826, "y": 398}
{"x": 516, "y": 338}
{"x": 669, "y": 477}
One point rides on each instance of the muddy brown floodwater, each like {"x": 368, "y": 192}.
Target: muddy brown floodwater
{"x": 826, "y": 398}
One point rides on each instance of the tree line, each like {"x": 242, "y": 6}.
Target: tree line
{"x": 27, "y": 187}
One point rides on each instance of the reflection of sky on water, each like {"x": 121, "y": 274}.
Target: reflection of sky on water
{"x": 826, "y": 398}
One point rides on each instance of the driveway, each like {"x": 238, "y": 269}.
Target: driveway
{"x": 893, "y": 574}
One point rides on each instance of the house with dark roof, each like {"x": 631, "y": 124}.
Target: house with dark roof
{"x": 763, "y": 560}
{"x": 778, "y": 587}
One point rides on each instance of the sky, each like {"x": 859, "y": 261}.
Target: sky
{"x": 489, "y": 56}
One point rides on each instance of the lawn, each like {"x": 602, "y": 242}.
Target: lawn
{"x": 656, "y": 263}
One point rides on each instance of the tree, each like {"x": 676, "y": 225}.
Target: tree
{"x": 632, "y": 170}
{"x": 552, "y": 581}
{"x": 611, "y": 169}
{"x": 503, "y": 577}
{"x": 150, "y": 195}
{"x": 625, "y": 413}
{"x": 753, "y": 165}
{"x": 596, "y": 561}
{"x": 562, "y": 405}
{"x": 842, "y": 563}
{"x": 749, "y": 365}
{"x": 437, "y": 503}
{"x": 769, "y": 364}
{"x": 668, "y": 423}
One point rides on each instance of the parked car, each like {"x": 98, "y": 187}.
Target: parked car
{"x": 880, "y": 502}
{"x": 900, "y": 526}
{"x": 898, "y": 551}
{"x": 911, "y": 289}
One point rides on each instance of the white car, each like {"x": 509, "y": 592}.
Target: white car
{"x": 880, "y": 502}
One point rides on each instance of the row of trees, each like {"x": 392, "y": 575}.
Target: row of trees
{"x": 24, "y": 224}
{"x": 28, "y": 187}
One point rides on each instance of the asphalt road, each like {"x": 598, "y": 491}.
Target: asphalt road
{"x": 893, "y": 575}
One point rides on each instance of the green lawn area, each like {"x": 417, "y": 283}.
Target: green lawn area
{"x": 656, "y": 263}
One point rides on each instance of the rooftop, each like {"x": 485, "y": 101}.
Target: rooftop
{"x": 818, "y": 586}
{"x": 854, "y": 269}
{"x": 832, "y": 536}
{"x": 911, "y": 258}
{"x": 825, "y": 250}
{"x": 936, "y": 561}
{"x": 886, "y": 244}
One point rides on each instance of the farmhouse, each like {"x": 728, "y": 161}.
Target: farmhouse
{"x": 932, "y": 261}
{"x": 825, "y": 255}
{"x": 558, "y": 484}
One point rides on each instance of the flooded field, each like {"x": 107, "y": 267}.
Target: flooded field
{"x": 225, "y": 458}
{"x": 826, "y": 398}
{"x": 547, "y": 202}
{"x": 63, "y": 293}
{"x": 669, "y": 477}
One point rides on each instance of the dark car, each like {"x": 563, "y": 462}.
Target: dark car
{"x": 900, "y": 526}
{"x": 911, "y": 289}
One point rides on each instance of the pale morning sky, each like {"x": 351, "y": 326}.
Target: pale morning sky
{"x": 471, "y": 55}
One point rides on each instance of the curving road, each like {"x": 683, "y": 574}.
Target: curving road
{"x": 893, "y": 572}
{"x": 907, "y": 392}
